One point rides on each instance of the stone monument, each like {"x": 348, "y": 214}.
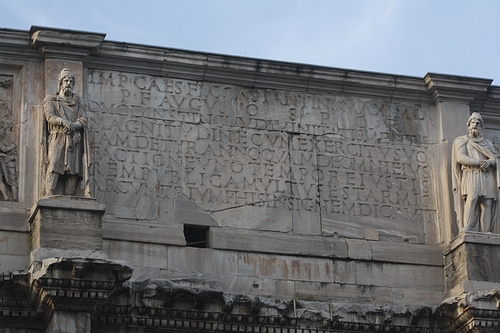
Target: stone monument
{"x": 66, "y": 119}
{"x": 475, "y": 179}
{"x": 202, "y": 192}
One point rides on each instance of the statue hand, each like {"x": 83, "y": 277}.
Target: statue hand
{"x": 485, "y": 165}
{"x": 68, "y": 128}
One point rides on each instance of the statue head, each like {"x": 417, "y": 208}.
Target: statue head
{"x": 475, "y": 125}
{"x": 66, "y": 82}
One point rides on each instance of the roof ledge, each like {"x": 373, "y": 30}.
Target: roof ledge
{"x": 456, "y": 88}
{"x": 63, "y": 43}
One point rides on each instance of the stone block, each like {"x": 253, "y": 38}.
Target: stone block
{"x": 344, "y": 272}
{"x": 414, "y": 296}
{"x": 11, "y": 263}
{"x": 471, "y": 257}
{"x": 371, "y": 234}
{"x": 14, "y": 221}
{"x": 285, "y": 267}
{"x": 276, "y": 242}
{"x": 67, "y": 223}
{"x": 342, "y": 292}
{"x": 359, "y": 249}
{"x": 340, "y": 229}
{"x": 407, "y": 253}
{"x": 255, "y": 286}
{"x": 190, "y": 260}
{"x": 14, "y": 243}
{"x": 399, "y": 275}
{"x": 143, "y": 231}
{"x": 137, "y": 254}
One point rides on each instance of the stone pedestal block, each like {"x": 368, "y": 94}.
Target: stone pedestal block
{"x": 471, "y": 263}
{"x": 66, "y": 226}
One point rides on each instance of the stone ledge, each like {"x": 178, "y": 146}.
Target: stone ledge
{"x": 70, "y": 202}
{"x": 133, "y": 231}
{"x": 320, "y": 246}
{"x": 44, "y": 36}
{"x": 277, "y": 243}
{"x": 473, "y": 237}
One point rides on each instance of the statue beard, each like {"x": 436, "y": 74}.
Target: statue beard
{"x": 67, "y": 91}
{"x": 474, "y": 132}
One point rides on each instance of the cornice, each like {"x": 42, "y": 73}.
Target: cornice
{"x": 65, "y": 44}
{"x": 97, "y": 53}
{"x": 456, "y": 88}
{"x": 256, "y": 73}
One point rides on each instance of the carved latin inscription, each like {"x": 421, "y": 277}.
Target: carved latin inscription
{"x": 269, "y": 152}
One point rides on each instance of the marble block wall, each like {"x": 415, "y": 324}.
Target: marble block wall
{"x": 269, "y": 178}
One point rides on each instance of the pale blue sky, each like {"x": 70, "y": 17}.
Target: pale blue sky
{"x": 407, "y": 37}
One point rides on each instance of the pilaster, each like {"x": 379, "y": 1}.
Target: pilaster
{"x": 452, "y": 97}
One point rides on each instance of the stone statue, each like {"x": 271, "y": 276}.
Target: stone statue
{"x": 8, "y": 163}
{"x": 66, "y": 119}
{"x": 475, "y": 179}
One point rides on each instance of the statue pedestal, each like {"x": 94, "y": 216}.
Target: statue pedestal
{"x": 64, "y": 226}
{"x": 471, "y": 263}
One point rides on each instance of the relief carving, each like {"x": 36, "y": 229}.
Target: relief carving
{"x": 475, "y": 179}
{"x": 8, "y": 163}
{"x": 8, "y": 153}
{"x": 66, "y": 162}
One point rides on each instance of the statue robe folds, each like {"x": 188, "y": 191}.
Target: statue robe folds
{"x": 468, "y": 177}
{"x": 66, "y": 153}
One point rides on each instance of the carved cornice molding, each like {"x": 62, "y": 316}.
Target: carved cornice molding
{"x": 28, "y": 299}
{"x": 66, "y": 44}
{"x": 256, "y": 73}
{"x": 456, "y": 88}
{"x": 474, "y": 312}
{"x": 150, "y": 319}
{"x": 247, "y": 72}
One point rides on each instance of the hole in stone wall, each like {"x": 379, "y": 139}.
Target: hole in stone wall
{"x": 196, "y": 236}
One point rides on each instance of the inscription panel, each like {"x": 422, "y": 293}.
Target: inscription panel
{"x": 260, "y": 159}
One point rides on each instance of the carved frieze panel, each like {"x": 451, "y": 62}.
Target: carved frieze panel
{"x": 9, "y": 138}
{"x": 260, "y": 158}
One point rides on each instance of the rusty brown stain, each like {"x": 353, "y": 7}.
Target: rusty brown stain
{"x": 267, "y": 265}
{"x": 295, "y": 267}
{"x": 250, "y": 260}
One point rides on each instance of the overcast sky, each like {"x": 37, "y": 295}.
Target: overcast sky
{"x": 407, "y": 37}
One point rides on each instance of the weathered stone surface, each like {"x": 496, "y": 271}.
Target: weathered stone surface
{"x": 14, "y": 243}
{"x": 344, "y": 271}
{"x": 264, "y": 155}
{"x": 272, "y": 242}
{"x": 67, "y": 223}
{"x": 471, "y": 258}
{"x": 285, "y": 267}
{"x": 400, "y": 276}
{"x": 324, "y": 192}
{"x": 137, "y": 254}
{"x": 204, "y": 262}
{"x": 11, "y": 263}
{"x": 158, "y": 233}
{"x": 417, "y": 296}
{"x": 407, "y": 253}
{"x": 342, "y": 292}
